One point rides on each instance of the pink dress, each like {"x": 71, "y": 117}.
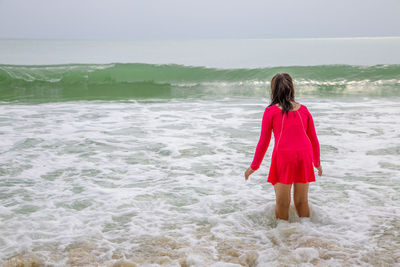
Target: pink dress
{"x": 296, "y": 147}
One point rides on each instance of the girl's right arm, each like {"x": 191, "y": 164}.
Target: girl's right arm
{"x": 314, "y": 141}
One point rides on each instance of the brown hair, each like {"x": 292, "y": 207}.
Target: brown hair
{"x": 282, "y": 91}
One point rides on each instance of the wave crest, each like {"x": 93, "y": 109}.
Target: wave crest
{"x": 136, "y": 80}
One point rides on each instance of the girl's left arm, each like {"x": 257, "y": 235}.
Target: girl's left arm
{"x": 263, "y": 142}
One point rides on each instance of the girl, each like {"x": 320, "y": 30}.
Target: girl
{"x": 296, "y": 148}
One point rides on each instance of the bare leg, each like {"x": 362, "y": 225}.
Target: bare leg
{"x": 300, "y": 197}
{"x": 282, "y": 192}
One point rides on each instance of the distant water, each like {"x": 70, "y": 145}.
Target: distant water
{"x": 134, "y": 152}
{"x": 217, "y": 53}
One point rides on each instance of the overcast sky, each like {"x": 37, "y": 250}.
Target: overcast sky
{"x": 191, "y": 19}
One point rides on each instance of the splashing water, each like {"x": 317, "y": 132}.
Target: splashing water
{"x": 160, "y": 181}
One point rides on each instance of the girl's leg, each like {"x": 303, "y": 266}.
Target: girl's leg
{"x": 300, "y": 197}
{"x": 282, "y": 192}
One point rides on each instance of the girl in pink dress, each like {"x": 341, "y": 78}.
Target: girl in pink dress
{"x": 296, "y": 148}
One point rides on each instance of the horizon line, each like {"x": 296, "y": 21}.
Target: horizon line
{"x": 197, "y": 39}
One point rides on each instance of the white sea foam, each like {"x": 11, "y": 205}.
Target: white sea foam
{"x": 161, "y": 182}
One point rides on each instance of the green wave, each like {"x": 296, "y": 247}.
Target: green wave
{"x": 49, "y": 83}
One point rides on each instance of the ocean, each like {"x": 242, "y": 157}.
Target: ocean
{"x": 132, "y": 153}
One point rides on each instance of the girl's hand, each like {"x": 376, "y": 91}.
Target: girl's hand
{"x": 319, "y": 170}
{"x": 248, "y": 172}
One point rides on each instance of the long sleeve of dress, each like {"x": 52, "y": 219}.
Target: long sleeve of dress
{"x": 265, "y": 138}
{"x": 314, "y": 141}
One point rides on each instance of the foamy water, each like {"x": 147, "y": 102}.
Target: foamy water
{"x": 161, "y": 182}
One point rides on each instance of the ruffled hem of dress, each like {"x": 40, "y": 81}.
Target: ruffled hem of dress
{"x": 273, "y": 181}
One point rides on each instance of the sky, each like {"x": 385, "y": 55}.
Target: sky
{"x": 197, "y": 19}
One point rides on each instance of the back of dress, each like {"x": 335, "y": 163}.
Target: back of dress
{"x": 296, "y": 147}
{"x": 292, "y": 131}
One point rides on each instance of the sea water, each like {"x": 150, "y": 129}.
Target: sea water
{"x": 110, "y": 162}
